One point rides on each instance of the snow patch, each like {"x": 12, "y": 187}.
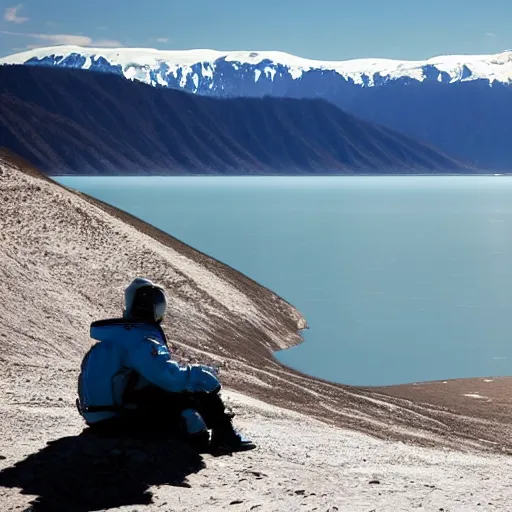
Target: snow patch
{"x": 491, "y": 67}
{"x": 195, "y": 79}
{"x": 207, "y": 70}
{"x": 160, "y": 80}
{"x": 271, "y": 72}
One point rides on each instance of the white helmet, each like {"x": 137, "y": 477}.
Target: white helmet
{"x": 144, "y": 301}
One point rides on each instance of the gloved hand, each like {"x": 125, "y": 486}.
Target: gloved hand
{"x": 203, "y": 379}
{"x": 210, "y": 369}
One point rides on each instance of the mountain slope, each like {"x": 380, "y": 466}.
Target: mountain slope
{"x": 81, "y": 122}
{"x": 468, "y": 120}
{"x": 458, "y": 104}
{"x": 65, "y": 260}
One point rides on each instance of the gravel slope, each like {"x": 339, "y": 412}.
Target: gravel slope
{"x": 64, "y": 260}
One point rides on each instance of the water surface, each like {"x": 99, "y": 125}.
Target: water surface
{"x": 401, "y": 279}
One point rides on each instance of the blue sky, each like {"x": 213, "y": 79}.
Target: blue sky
{"x": 320, "y": 29}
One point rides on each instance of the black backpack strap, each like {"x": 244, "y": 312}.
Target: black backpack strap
{"x": 98, "y": 408}
{"x": 101, "y": 408}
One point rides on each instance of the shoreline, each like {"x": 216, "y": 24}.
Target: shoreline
{"x": 425, "y": 393}
{"x": 284, "y": 175}
{"x": 160, "y": 235}
{"x": 207, "y": 324}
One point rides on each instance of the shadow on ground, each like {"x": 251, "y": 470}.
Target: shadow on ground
{"x": 85, "y": 473}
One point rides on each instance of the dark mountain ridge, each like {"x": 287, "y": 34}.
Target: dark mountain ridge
{"x": 469, "y": 120}
{"x": 69, "y": 121}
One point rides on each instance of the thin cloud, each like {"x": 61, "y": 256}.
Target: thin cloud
{"x": 111, "y": 43}
{"x": 162, "y": 40}
{"x": 60, "y": 38}
{"x": 71, "y": 39}
{"x": 11, "y": 14}
{"x": 490, "y": 34}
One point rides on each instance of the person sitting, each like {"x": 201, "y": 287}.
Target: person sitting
{"x": 129, "y": 383}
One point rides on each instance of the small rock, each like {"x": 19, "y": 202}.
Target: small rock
{"x": 300, "y": 491}
{"x": 236, "y": 502}
{"x": 374, "y": 482}
{"x": 254, "y": 507}
{"x": 258, "y": 474}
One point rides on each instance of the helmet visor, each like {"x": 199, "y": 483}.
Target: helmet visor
{"x": 149, "y": 304}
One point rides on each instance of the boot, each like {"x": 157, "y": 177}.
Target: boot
{"x": 224, "y": 436}
{"x": 195, "y": 430}
{"x": 227, "y": 439}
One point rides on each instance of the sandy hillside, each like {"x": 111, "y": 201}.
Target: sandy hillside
{"x": 64, "y": 261}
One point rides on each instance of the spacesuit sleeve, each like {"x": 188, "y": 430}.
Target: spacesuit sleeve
{"x": 153, "y": 361}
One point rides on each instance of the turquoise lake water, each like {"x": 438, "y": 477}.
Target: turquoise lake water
{"x": 401, "y": 279}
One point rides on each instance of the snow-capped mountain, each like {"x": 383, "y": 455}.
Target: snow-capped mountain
{"x": 460, "y": 104}
{"x": 247, "y": 73}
